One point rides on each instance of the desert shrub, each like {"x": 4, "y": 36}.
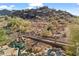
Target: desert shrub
{"x": 47, "y": 31}
{"x": 1, "y": 20}
{"x": 4, "y": 18}
{"x": 76, "y": 20}
{"x": 19, "y": 24}
{"x": 3, "y": 37}
{"x": 71, "y": 51}
{"x": 74, "y": 39}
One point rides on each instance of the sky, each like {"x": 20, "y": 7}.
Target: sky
{"x": 73, "y": 8}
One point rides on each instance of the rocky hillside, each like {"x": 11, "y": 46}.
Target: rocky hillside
{"x": 36, "y": 32}
{"x": 43, "y": 12}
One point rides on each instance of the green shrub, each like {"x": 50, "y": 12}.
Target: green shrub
{"x": 3, "y": 37}
{"x": 19, "y": 24}
{"x": 74, "y": 39}
{"x": 47, "y": 31}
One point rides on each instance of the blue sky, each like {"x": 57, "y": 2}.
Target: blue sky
{"x": 70, "y": 7}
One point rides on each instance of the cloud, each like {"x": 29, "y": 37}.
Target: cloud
{"x": 30, "y": 7}
{"x": 77, "y": 3}
{"x": 44, "y": 1}
{"x": 35, "y": 3}
{"x": 7, "y": 7}
{"x": 74, "y": 11}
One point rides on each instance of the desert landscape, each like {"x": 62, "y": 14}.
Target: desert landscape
{"x": 38, "y": 32}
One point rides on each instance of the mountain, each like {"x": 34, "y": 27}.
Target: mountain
{"x": 5, "y": 12}
{"x": 42, "y": 12}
